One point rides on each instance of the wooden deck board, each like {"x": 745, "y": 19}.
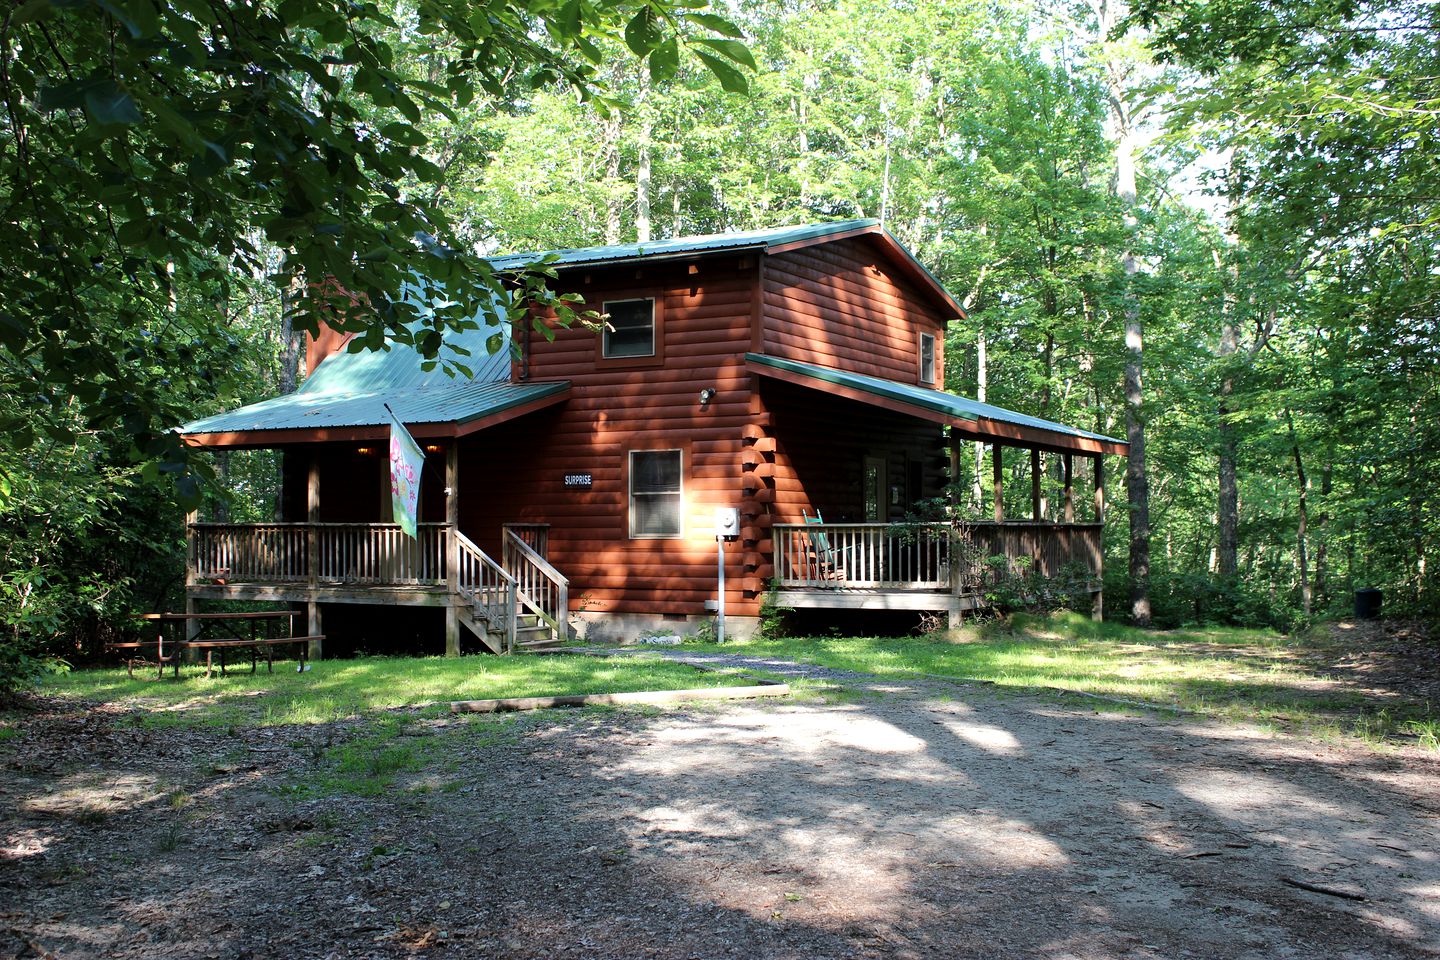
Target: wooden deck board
{"x": 414, "y": 596}
{"x": 841, "y": 599}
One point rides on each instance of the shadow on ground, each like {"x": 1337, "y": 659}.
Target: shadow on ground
{"x": 914, "y": 822}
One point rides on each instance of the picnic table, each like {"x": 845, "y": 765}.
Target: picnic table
{"x": 256, "y": 625}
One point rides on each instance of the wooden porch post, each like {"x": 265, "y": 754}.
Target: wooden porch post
{"x": 1067, "y": 466}
{"x": 192, "y": 627}
{"x": 953, "y": 617}
{"x": 1097, "y": 602}
{"x": 954, "y": 471}
{"x": 312, "y": 517}
{"x": 452, "y": 547}
{"x": 1035, "y": 512}
{"x": 997, "y": 481}
{"x": 1099, "y": 489}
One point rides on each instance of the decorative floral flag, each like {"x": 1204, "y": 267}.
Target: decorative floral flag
{"x": 406, "y": 462}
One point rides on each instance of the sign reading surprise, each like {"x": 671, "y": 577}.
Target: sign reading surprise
{"x": 580, "y": 481}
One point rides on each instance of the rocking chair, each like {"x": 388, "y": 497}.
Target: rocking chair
{"x": 821, "y": 558}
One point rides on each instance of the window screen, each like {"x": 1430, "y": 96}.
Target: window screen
{"x": 927, "y": 358}
{"x": 655, "y": 494}
{"x": 634, "y": 328}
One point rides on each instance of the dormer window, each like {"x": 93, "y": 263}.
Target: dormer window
{"x": 631, "y": 330}
{"x": 927, "y": 358}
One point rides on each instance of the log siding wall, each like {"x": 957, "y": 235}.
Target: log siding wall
{"x": 514, "y": 473}
{"x": 843, "y": 305}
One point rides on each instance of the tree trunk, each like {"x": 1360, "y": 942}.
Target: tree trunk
{"x": 642, "y": 173}
{"x": 980, "y": 385}
{"x": 1322, "y": 522}
{"x": 1108, "y": 15}
{"x": 970, "y": 304}
{"x": 885, "y": 181}
{"x": 1302, "y": 558}
{"x": 291, "y": 340}
{"x": 1228, "y": 512}
{"x": 1137, "y": 481}
{"x": 610, "y": 149}
{"x": 222, "y": 478}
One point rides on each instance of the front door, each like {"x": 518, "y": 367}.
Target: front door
{"x": 874, "y": 490}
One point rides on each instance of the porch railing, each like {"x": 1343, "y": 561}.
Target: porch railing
{"x": 361, "y": 553}
{"x": 380, "y": 554}
{"x": 862, "y": 555}
{"x": 1053, "y": 549}
{"x": 536, "y": 536}
{"x": 928, "y": 556}
{"x": 542, "y": 589}
{"x": 485, "y": 585}
{"x": 268, "y": 552}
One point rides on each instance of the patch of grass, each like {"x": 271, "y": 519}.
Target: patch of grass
{"x": 1426, "y": 731}
{"x": 341, "y": 689}
{"x": 1242, "y": 675}
{"x": 169, "y": 841}
{"x": 393, "y": 753}
{"x": 90, "y": 816}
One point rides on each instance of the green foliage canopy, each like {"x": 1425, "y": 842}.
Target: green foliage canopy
{"x": 147, "y": 145}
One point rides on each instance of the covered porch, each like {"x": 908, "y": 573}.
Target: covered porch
{"x": 335, "y": 543}
{"x": 994, "y": 503}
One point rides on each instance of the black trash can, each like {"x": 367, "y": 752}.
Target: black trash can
{"x": 1367, "y": 603}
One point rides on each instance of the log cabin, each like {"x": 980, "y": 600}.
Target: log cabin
{"x": 570, "y": 489}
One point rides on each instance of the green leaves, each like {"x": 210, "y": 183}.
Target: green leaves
{"x": 664, "y": 61}
{"x": 731, "y": 79}
{"x": 732, "y": 49}
{"x": 172, "y": 153}
{"x": 643, "y": 32}
{"x": 715, "y": 24}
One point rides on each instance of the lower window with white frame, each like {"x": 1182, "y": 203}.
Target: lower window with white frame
{"x": 655, "y": 494}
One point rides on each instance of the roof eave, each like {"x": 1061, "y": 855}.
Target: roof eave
{"x": 644, "y": 258}
{"x": 459, "y": 427}
{"x": 980, "y": 428}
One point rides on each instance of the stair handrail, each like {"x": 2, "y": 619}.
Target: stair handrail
{"x": 539, "y": 587}
{"x": 485, "y": 584}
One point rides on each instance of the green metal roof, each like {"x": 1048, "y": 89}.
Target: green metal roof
{"x": 352, "y": 389}
{"x": 400, "y": 367}
{"x": 680, "y": 246}
{"x": 934, "y": 400}
{"x": 464, "y": 403}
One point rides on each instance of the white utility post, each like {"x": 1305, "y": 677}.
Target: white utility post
{"x": 727, "y": 527}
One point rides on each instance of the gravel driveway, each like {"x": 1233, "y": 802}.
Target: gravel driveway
{"x": 935, "y": 821}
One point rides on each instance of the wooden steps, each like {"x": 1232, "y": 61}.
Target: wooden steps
{"x": 533, "y": 633}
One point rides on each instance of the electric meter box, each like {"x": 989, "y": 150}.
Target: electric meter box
{"x": 727, "y": 523}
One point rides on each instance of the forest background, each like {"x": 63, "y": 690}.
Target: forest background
{"x": 1209, "y": 228}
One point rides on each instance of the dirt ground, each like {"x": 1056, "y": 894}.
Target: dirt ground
{"x": 1387, "y": 658}
{"x": 917, "y": 821}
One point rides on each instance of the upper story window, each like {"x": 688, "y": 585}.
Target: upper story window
{"x": 927, "y": 358}
{"x": 655, "y": 494}
{"x": 631, "y": 330}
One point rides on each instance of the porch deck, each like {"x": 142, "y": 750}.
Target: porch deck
{"x": 315, "y": 563}
{"x": 944, "y": 567}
